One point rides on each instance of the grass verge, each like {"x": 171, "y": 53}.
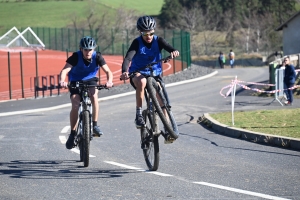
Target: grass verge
{"x": 276, "y": 122}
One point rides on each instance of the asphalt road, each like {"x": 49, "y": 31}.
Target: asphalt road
{"x": 201, "y": 164}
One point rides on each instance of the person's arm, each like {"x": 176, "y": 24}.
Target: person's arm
{"x": 163, "y": 44}
{"x": 71, "y": 61}
{"x": 109, "y": 75}
{"x": 293, "y": 72}
{"x": 63, "y": 74}
{"x": 129, "y": 55}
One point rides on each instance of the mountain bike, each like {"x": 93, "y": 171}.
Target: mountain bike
{"x": 158, "y": 107}
{"x": 84, "y": 128}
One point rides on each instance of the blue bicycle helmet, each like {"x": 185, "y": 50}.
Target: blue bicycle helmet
{"x": 145, "y": 23}
{"x": 87, "y": 42}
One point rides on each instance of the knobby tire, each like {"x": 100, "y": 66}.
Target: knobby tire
{"x": 171, "y": 125}
{"x": 86, "y": 128}
{"x": 151, "y": 153}
{"x": 79, "y": 128}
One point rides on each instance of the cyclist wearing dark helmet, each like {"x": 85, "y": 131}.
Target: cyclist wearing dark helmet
{"x": 84, "y": 65}
{"x": 143, "y": 50}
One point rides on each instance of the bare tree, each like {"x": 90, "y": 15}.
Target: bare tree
{"x": 125, "y": 24}
{"x": 253, "y": 37}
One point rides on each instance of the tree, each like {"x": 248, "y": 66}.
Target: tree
{"x": 253, "y": 20}
{"x": 168, "y": 15}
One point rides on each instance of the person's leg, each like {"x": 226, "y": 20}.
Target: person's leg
{"x": 95, "y": 103}
{"x": 286, "y": 92}
{"x": 291, "y": 97}
{"x": 221, "y": 64}
{"x": 139, "y": 82}
{"x": 75, "y": 101}
{"x": 231, "y": 63}
{"x": 95, "y": 108}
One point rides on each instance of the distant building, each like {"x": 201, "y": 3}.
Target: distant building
{"x": 291, "y": 35}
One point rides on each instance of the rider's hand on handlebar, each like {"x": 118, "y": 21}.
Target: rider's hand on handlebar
{"x": 63, "y": 84}
{"x": 124, "y": 76}
{"x": 174, "y": 54}
{"x": 109, "y": 84}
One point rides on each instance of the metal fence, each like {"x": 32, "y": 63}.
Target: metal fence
{"x": 25, "y": 74}
{"x": 110, "y": 42}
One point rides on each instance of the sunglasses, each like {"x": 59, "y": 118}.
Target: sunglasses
{"x": 147, "y": 34}
{"x": 87, "y": 49}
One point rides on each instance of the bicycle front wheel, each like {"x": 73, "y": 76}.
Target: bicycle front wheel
{"x": 79, "y": 139}
{"x": 168, "y": 120}
{"x": 85, "y": 140}
{"x": 149, "y": 141}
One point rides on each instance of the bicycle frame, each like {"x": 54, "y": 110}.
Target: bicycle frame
{"x": 151, "y": 109}
{"x": 158, "y": 112}
{"x": 85, "y": 104}
{"x": 84, "y": 123}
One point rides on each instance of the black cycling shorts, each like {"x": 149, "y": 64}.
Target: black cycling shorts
{"x": 92, "y": 81}
{"x": 155, "y": 77}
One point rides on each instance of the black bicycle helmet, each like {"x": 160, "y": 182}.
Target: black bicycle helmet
{"x": 87, "y": 42}
{"x": 146, "y": 23}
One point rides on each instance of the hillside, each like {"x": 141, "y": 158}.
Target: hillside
{"x": 58, "y": 14}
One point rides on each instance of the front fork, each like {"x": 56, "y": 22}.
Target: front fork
{"x": 84, "y": 106}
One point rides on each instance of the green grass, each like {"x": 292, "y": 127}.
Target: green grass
{"x": 58, "y": 14}
{"x": 54, "y": 14}
{"x": 276, "y": 122}
{"x": 144, "y": 7}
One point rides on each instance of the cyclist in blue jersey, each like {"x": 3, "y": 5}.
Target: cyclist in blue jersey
{"x": 144, "y": 49}
{"x": 84, "y": 65}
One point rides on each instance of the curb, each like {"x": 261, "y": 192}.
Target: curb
{"x": 262, "y": 138}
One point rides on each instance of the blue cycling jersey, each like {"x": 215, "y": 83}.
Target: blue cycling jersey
{"x": 82, "y": 71}
{"x": 145, "y": 56}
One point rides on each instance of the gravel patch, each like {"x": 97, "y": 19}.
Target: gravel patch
{"x": 192, "y": 72}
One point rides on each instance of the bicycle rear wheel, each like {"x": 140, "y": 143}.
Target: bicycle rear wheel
{"x": 168, "y": 121}
{"x": 149, "y": 141}
{"x": 85, "y": 140}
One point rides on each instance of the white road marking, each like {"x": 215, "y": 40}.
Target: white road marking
{"x": 201, "y": 183}
{"x": 65, "y": 129}
{"x": 78, "y": 152}
{"x": 241, "y": 191}
{"x": 100, "y": 99}
{"x": 137, "y": 169}
{"x": 63, "y": 140}
{"x": 192, "y": 80}
{"x": 158, "y": 173}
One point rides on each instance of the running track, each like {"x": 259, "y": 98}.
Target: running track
{"x": 49, "y": 63}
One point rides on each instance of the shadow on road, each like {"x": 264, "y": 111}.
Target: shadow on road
{"x": 56, "y": 169}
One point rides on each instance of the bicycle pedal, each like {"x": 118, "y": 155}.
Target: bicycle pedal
{"x": 169, "y": 140}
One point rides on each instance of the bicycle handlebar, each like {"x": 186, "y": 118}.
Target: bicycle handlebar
{"x": 166, "y": 59}
{"x": 85, "y": 85}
